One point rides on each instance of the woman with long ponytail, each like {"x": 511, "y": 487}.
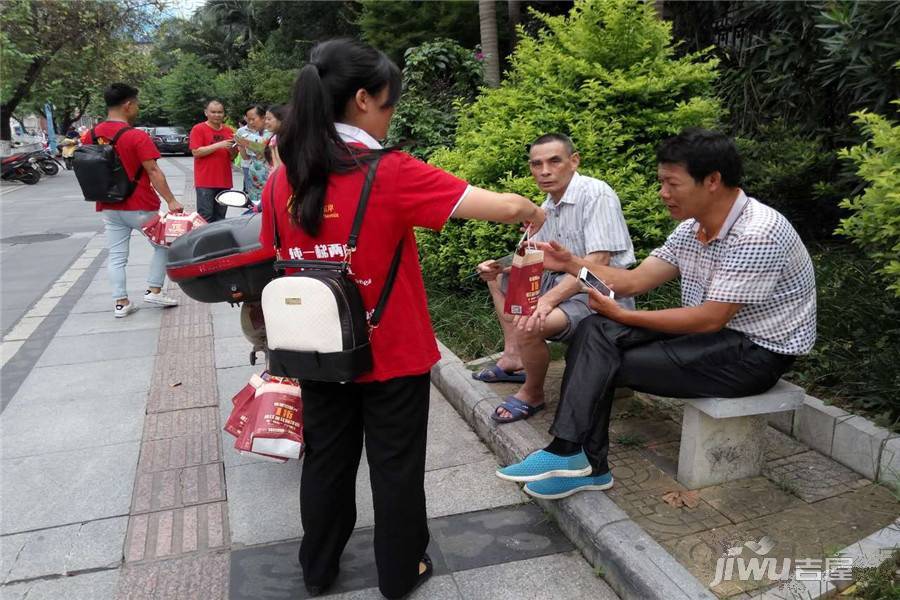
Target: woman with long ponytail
{"x": 342, "y": 104}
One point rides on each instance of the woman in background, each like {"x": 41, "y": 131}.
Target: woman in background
{"x": 274, "y": 117}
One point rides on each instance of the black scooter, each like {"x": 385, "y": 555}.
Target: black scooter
{"x": 46, "y": 162}
{"x": 19, "y": 167}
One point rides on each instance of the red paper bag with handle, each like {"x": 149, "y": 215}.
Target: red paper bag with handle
{"x": 524, "y": 281}
{"x": 278, "y": 429}
{"x": 163, "y": 230}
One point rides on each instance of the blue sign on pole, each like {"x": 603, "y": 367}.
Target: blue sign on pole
{"x": 51, "y": 132}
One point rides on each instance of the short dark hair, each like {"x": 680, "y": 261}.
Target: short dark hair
{"x": 702, "y": 152}
{"x": 211, "y": 100}
{"x": 258, "y": 108}
{"x": 554, "y": 137}
{"x": 118, "y": 94}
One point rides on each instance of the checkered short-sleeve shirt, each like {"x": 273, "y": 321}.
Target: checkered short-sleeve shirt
{"x": 757, "y": 260}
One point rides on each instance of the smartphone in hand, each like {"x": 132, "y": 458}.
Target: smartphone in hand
{"x": 591, "y": 280}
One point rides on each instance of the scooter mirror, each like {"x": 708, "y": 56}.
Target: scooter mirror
{"x": 234, "y": 198}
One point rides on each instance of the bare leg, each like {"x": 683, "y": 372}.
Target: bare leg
{"x": 511, "y": 359}
{"x": 536, "y": 358}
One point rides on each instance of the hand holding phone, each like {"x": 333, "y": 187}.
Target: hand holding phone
{"x": 591, "y": 280}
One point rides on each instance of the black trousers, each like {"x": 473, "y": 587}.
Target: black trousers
{"x": 605, "y": 354}
{"x": 392, "y": 416}
{"x": 207, "y": 206}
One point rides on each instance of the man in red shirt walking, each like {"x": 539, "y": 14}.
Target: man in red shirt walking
{"x": 212, "y": 144}
{"x": 135, "y": 150}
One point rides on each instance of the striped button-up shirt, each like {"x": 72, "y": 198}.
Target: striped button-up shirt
{"x": 588, "y": 218}
{"x": 757, "y": 260}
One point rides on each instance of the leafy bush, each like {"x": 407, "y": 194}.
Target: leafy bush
{"x": 606, "y": 75}
{"x": 875, "y": 222}
{"x": 854, "y": 361}
{"x": 786, "y": 168}
{"x": 261, "y": 79}
{"x": 393, "y": 27}
{"x": 438, "y": 76}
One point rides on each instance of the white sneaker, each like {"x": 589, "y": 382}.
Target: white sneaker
{"x": 123, "y": 310}
{"x": 160, "y": 299}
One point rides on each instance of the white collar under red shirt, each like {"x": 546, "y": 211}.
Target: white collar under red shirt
{"x": 349, "y": 133}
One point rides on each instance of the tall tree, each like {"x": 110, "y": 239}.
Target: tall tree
{"x": 487, "y": 15}
{"x": 38, "y": 33}
{"x": 394, "y": 27}
{"x": 514, "y": 8}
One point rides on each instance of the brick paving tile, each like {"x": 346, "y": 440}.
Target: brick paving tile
{"x": 780, "y": 445}
{"x": 632, "y": 472}
{"x": 812, "y": 476}
{"x": 749, "y": 499}
{"x": 179, "y": 452}
{"x": 178, "y": 332}
{"x": 169, "y": 533}
{"x": 178, "y": 487}
{"x": 187, "y": 313}
{"x": 191, "y": 578}
{"x": 180, "y": 422}
{"x": 810, "y": 531}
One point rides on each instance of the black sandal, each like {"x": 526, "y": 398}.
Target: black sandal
{"x": 423, "y": 576}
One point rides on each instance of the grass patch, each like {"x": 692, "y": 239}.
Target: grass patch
{"x": 465, "y": 321}
{"x": 878, "y": 583}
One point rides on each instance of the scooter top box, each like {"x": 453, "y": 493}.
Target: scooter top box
{"x": 222, "y": 261}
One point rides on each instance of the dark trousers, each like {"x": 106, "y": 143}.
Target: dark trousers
{"x": 393, "y": 417}
{"x": 207, "y": 206}
{"x": 605, "y": 354}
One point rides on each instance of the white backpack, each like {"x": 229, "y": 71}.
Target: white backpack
{"x": 316, "y": 323}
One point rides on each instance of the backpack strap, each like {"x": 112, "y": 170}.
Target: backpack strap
{"x": 363, "y": 203}
{"x": 388, "y": 286}
{"x": 140, "y": 170}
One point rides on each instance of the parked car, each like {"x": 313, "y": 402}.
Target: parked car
{"x": 170, "y": 140}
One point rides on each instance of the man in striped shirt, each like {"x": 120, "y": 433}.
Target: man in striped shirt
{"x": 583, "y": 214}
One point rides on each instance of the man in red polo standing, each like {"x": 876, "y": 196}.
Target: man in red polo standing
{"x": 212, "y": 144}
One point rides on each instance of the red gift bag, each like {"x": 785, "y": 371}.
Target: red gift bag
{"x": 278, "y": 429}
{"x": 240, "y": 422}
{"x": 240, "y": 413}
{"x": 524, "y": 281}
{"x": 162, "y": 231}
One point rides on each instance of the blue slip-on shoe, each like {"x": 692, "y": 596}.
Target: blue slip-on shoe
{"x": 562, "y": 487}
{"x": 543, "y": 465}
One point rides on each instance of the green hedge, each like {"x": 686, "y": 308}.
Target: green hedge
{"x": 605, "y": 74}
{"x": 875, "y": 222}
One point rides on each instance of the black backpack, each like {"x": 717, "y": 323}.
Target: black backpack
{"x": 100, "y": 172}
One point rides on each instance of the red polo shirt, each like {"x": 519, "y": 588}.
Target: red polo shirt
{"x": 406, "y": 193}
{"x": 212, "y": 170}
{"x": 133, "y": 148}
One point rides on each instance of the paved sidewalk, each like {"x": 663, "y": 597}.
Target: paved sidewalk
{"x": 809, "y": 505}
{"x": 118, "y": 482}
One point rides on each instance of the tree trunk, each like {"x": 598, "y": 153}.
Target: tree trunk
{"x": 488, "y": 19}
{"x": 515, "y": 17}
{"x": 20, "y": 91}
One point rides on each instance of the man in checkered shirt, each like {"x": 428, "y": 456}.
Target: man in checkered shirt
{"x": 749, "y": 308}
{"x": 583, "y": 214}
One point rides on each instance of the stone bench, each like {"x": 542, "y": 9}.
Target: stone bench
{"x": 723, "y": 439}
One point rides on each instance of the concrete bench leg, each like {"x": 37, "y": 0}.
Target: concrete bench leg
{"x": 714, "y": 451}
